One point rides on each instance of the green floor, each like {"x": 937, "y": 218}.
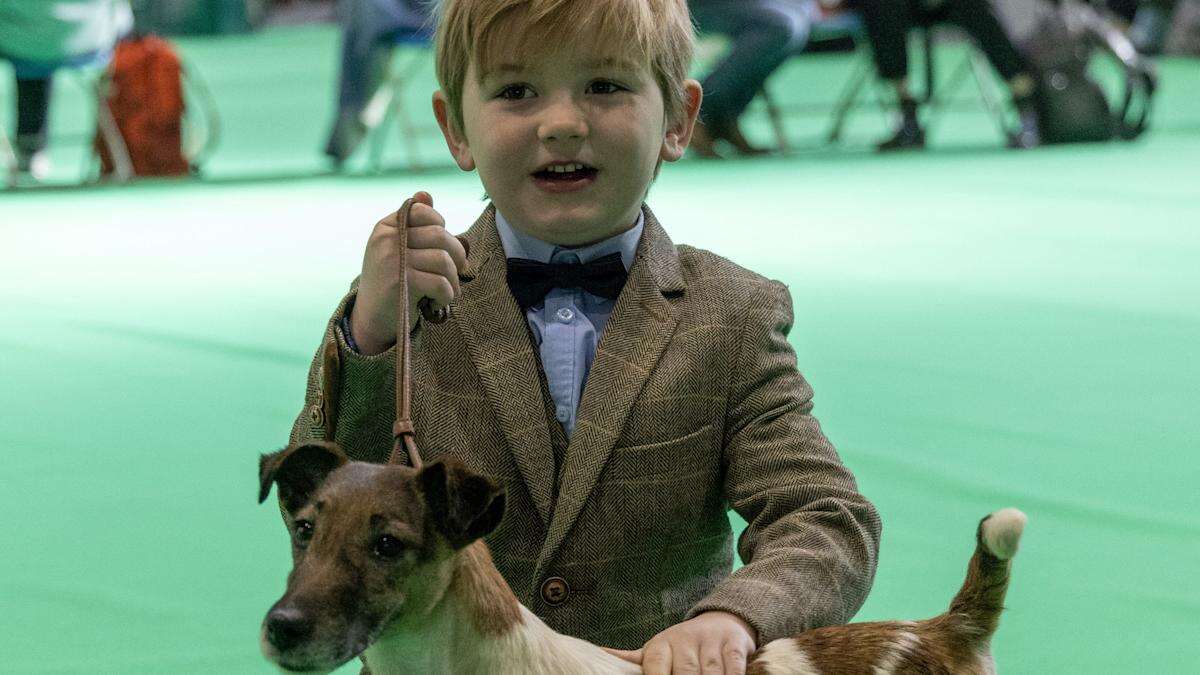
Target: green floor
{"x": 982, "y": 328}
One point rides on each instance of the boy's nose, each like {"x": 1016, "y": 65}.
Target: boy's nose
{"x": 563, "y": 121}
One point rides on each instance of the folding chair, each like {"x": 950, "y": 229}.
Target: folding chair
{"x": 87, "y": 73}
{"x": 848, "y": 24}
{"x": 410, "y": 53}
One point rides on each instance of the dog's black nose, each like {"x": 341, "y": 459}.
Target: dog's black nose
{"x": 287, "y": 627}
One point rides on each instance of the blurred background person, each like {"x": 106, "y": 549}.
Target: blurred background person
{"x": 762, "y": 33}
{"x": 888, "y": 23}
{"x": 40, "y": 36}
{"x": 370, "y": 29}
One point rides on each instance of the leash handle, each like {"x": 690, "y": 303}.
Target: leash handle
{"x": 403, "y": 435}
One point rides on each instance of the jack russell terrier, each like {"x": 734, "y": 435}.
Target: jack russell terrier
{"x": 389, "y": 564}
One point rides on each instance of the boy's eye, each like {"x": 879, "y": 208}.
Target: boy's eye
{"x": 514, "y": 92}
{"x": 604, "y": 87}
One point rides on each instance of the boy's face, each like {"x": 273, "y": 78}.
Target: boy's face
{"x": 568, "y": 104}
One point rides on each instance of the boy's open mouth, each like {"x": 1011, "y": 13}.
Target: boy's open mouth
{"x": 565, "y": 177}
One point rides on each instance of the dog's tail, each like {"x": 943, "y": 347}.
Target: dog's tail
{"x": 975, "y": 611}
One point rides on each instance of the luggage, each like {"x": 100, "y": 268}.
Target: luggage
{"x": 1072, "y": 106}
{"x": 145, "y": 98}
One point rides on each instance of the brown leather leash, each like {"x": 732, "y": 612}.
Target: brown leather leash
{"x": 403, "y": 435}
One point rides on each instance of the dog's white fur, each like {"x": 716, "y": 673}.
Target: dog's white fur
{"x": 1002, "y": 532}
{"x": 446, "y": 645}
{"x": 785, "y": 656}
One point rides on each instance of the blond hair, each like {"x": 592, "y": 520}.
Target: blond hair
{"x": 658, "y": 32}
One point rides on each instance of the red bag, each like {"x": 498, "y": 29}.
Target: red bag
{"x": 146, "y": 100}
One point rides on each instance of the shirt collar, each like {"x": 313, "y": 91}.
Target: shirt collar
{"x": 518, "y": 244}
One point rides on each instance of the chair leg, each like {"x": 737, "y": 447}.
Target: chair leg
{"x": 376, "y": 118}
{"x": 980, "y": 70}
{"x": 409, "y": 131}
{"x": 849, "y": 96}
{"x": 111, "y": 135}
{"x": 8, "y": 156}
{"x": 776, "y": 117}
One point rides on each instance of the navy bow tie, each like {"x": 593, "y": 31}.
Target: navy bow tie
{"x": 531, "y": 280}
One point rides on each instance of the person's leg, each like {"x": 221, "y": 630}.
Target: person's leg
{"x": 367, "y": 27}
{"x": 763, "y": 33}
{"x": 33, "y": 108}
{"x": 979, "y": 20}
{"x": 887, "y": 24}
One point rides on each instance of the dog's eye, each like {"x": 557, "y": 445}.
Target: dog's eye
{"x": 304, "y": 530}
{"x": 387, "y": 546}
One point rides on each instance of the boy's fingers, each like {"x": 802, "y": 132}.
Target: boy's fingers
{"x": 419, "y": 215}
{"x": 423, "y": 215}
{"x": 433, "y": 286}
{"x": 711, "y": 661}
{"x": 657, "y": 659}
{"x": 632, "y": 656}
{"x": 436, "y": 261}
{"x": 437, "y": 238}
{"x": 735, "y": 659}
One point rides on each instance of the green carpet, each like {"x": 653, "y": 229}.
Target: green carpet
{"x": 982, "y": 328}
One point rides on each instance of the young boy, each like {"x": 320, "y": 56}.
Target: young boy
{"x": 616, "y": 528}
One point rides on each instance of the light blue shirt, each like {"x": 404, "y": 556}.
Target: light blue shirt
{"x": 568, "y": 324}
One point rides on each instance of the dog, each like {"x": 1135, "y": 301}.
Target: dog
{"x": 390, "y": 565}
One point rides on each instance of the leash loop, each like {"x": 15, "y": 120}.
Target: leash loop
{"x": 404, "y": 441}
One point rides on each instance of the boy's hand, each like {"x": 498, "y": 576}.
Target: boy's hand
{"x": 713, "y": 643}
{"x": 433, "y": 260}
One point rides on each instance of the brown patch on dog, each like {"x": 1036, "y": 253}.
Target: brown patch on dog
{"x": 953, "y": 643}
{"x": 463, "y": 506}
{"x": 494, "y": 609}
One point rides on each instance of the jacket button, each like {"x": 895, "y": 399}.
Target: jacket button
{"x": 317, "y": 415}
{"x": 555, "y": 591}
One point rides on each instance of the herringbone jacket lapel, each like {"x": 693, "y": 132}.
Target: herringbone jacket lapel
{"x": 496, "y": 336}
{"x": 641, "y": 325}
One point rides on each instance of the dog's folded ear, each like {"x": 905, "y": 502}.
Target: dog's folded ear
{"x": 463, "y": 505}
{"x": 298, "y": 470}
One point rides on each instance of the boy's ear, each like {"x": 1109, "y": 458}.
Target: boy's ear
{"x": 456, "y": 140}
{"x": 298, "y": 470}
{"x": 679, "y": 131}
{"x": 463, "y": 505}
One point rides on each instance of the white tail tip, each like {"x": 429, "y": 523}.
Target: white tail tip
{"x": 1002, "y": 531}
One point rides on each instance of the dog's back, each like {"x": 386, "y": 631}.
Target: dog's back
{"x": 953, "y": 643}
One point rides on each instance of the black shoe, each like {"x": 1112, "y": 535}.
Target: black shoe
{"x": 907, "y": 137}
{"x": 347, "y": 133}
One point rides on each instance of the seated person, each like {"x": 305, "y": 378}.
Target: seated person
{"x": 40, "y": 37}
{"x": 763, "y": 34}
{"x": 369, "y": 28}
{"x": 888, "y": 23}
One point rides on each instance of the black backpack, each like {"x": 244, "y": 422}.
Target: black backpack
{"x": 1072, "y": 106}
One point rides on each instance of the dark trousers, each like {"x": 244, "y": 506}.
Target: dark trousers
{"x": 33, "y": 107}
{"x": 763, "y": 32}
{"x": 889, "y": 21}
{"x": 370, "y": 29}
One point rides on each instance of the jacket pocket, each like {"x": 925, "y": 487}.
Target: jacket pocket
{"x": 695, "y": 452}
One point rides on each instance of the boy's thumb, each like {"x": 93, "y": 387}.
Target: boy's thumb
{"x": 632, "y": 656}
{"x": 423, "y": 197}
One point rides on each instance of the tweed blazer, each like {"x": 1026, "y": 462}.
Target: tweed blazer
{"x": 693, "y": 406}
